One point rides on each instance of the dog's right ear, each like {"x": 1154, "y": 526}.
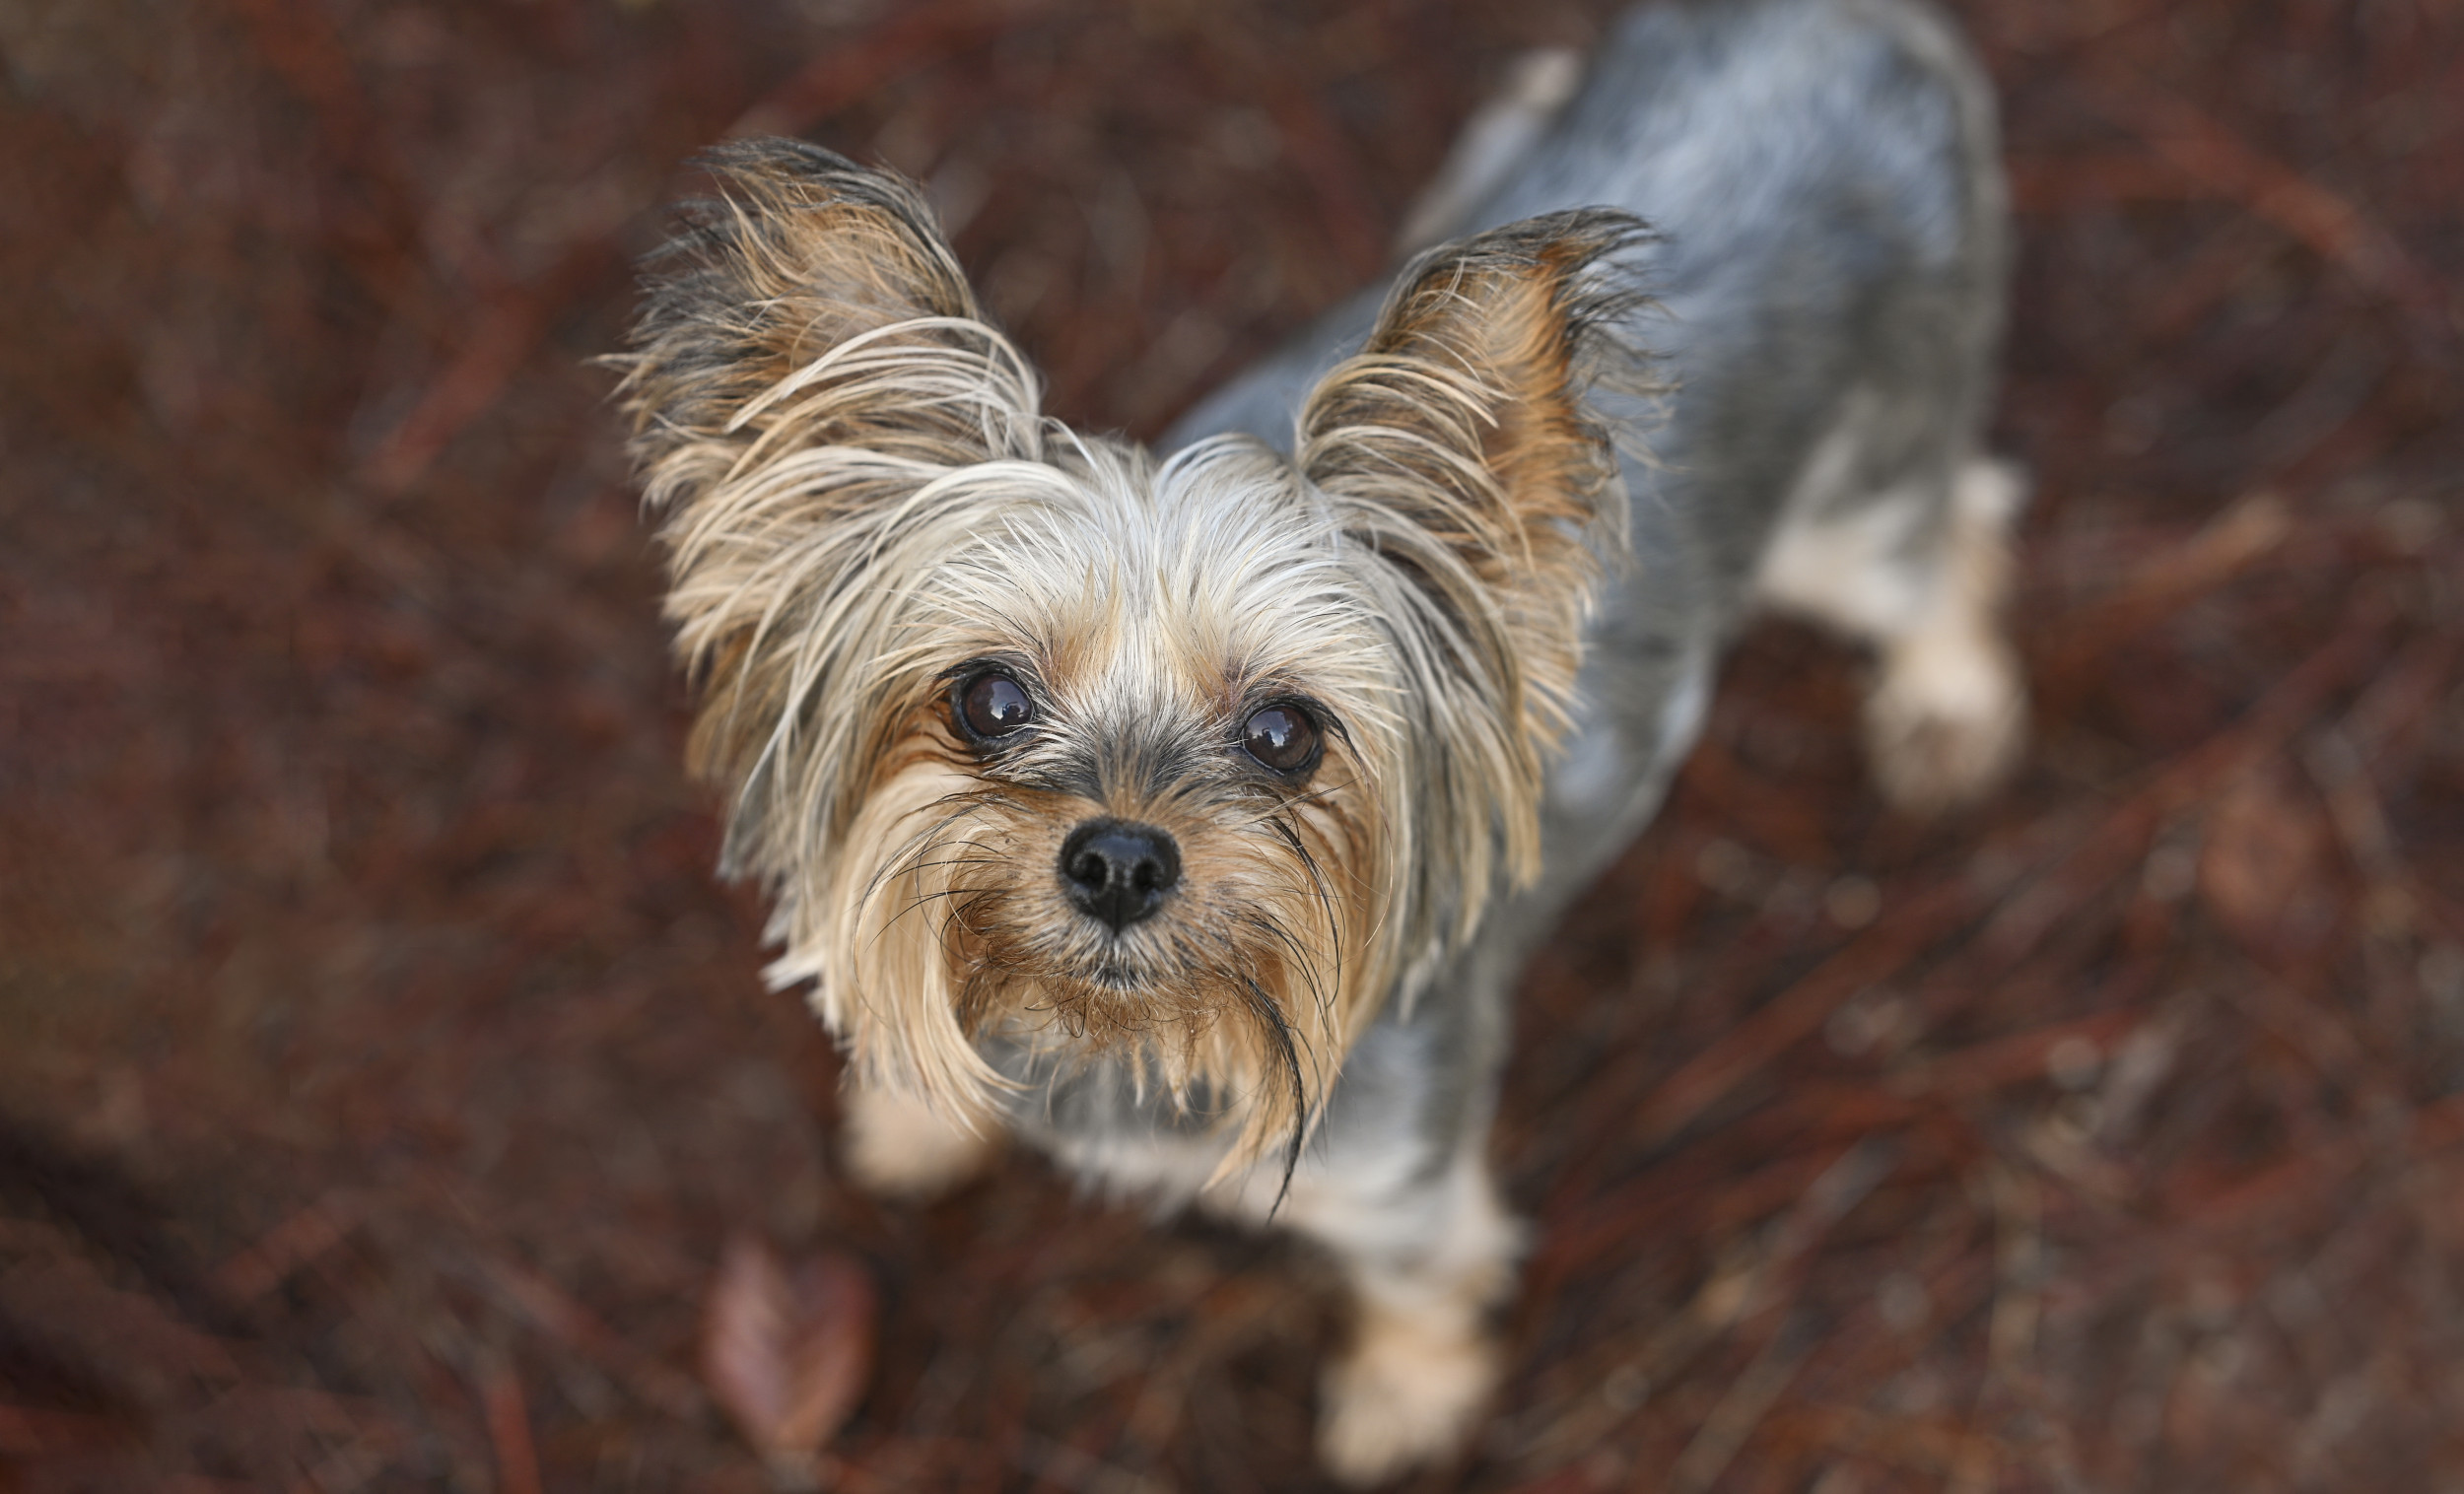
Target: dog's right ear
{"x": 812, "y": 301}
{"x": 807, "y": 360}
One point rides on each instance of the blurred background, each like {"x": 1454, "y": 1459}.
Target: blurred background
{"x": 387, "y": 1095}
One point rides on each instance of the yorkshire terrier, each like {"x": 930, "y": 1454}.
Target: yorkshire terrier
{"x": 1192, "y": 816}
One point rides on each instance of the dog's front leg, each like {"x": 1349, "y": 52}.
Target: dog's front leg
{"x": 1396, "y": 1182}
{"x": 897, "y": 1146}
{"x": 1426, "y": 1264}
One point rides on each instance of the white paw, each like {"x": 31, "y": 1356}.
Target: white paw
{"x": 899, "y": 1147}
{"x": 1407, "y": 1394}
{"x": 1945, "y": 721}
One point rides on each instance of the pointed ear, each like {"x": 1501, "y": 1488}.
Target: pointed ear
{"x": 817, "y": 296}
{"x": 1462, "y": 450}
{"x": 808, "y": 359}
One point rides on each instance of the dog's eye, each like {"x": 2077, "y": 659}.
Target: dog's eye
{"x": 994, "y": 705}
{"x": 1282, "y": 737}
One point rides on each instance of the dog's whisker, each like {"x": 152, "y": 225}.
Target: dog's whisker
{"x": 1326, "y": 901}
{"x": 923, "y": 841}
{"x": 1270, "y": 1020}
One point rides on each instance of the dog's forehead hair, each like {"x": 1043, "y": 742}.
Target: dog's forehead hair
{"x": 1140, "y": 594}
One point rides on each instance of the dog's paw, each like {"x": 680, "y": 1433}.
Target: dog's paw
{"x": 1946, "y": 720}
{"x": 1407, "y": 1393}
{"x": 899, "y": 1147}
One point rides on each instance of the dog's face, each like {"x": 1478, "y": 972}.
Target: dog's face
{"x": 1033, "y": 738}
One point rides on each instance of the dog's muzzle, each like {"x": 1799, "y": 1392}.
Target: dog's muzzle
{"x": 1117, "y": 871}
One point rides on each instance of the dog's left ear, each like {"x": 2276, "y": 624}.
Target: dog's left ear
{"x": 1460, "y": 448}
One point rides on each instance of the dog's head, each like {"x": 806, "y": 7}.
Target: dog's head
{"x": 1031, "y": 737}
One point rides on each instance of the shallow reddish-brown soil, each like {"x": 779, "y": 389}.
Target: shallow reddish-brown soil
{"x": 383, "y": 1077}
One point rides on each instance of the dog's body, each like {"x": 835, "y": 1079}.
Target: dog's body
{"x": 1308, "y": 736}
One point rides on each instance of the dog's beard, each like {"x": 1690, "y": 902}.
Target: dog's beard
{"x": 947, "y": 925}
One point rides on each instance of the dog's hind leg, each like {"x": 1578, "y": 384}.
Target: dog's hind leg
{"x": 1919, "y": 571}
{"x": 1946, "y": 716}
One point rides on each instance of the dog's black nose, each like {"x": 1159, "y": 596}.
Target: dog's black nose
{"x": 1118, "y": 871}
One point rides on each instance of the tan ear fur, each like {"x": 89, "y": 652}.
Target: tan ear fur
{"x": 807, "y": 361}
{"x": 804, "y": 251}
{"x": 1460, "y": 443}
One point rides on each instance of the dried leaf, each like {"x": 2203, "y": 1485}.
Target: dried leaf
{"x": 788, "y": 1354}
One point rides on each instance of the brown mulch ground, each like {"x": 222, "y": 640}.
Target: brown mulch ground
{"x": 383, "y": 1077}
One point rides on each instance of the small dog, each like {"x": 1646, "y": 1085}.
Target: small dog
{"x": 1192, "y": 817}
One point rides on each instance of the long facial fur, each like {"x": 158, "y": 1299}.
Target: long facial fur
{"x": 860, "y": 499}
